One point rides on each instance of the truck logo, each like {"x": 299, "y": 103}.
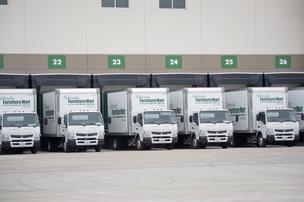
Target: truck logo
{"x": 177, "y": 110}
{"x": 267, "y": 99}
{"x": 298, "y": 108}
{"x": 80, "y": 102}
{"x": 16, "y": 102}
{"x": 151, "y": 101}
{"x": 207, "y": 100}
{"x": 237, "y": 110}
{"x": 118, "y": 112}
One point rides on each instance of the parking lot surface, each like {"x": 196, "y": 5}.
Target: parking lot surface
{"x": 274, "y": 173}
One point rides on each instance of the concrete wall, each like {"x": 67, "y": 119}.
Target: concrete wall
{"x": 254, "y": 30}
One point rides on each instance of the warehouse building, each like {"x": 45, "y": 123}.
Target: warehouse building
{"x": 151, "y": 36}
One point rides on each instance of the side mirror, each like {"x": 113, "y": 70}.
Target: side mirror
{"x": 134, "y": 119}
{"x": 109, "y": 120}
{"x": 59, "y": 120}
{"x": 140, "y": 122}
{"x": 237, "y": 118}
{"x": 0, "y": 127}
{"x": 45, "y": 121}
{"x": 302, "y": 117}
{"x": 258, "y": 117}
{"x": 182, "y": 119}
{"x": 191, "y": 119}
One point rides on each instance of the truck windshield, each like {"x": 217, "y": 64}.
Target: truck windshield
{"x": 158, "y": 117}
{"x": 280, "y": 115}
{"x": 85, "y": 118}
{"x": 20, "y": 120}
{"x": 215, "y": 117}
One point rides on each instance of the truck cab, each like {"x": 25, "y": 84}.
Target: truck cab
{"x": 211, "y": 127}
{"x": 156, "y": 128}
{"x": 82, "y": 129}
{"x": 19, "y": 131}
{"x": 277, "y": 126}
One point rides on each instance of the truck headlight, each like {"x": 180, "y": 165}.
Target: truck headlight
{"x": 37, "y": 137}
{"x": 146, "y": 134}
{"x": 270, "y": 132}
{"x": 5, "y": 137}
{"x": 71, "y": 136}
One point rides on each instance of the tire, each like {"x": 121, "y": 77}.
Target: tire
{"x": 290, "y": 144}
{"x": 225, "y": 145}
{"x": 260, "y": 141}
{"x": 2, "y": 150}
{"x": 170, "y": 146}
{"x": 138, "y": 144}
{"x": 194, "y": 143}
{"x": 98, "y": 148}
{"x": 34, "y": 150}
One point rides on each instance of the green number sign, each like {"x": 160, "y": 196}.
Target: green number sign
{"x": 1, "y": 62}
{"x": 228, "y": 61}
{"x": 116, "y": 62}
{"x": 174, "y": 62}
{"x": 283, "y": 61}
{"x": 57, "y": 61}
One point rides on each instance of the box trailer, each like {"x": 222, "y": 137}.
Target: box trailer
{"x": 262, "y": 116}
{"x": 202, "y": 117}
{"x": 72, "y": 119}
{"x": 296, "y": 101}
{"x": 140, "y": 117}
{"x": 19, "y": 125}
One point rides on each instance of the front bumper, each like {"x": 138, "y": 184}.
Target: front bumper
{"x": 150, "y": 141}
{"x": 19, "y": 145}
{"x": 85, "y": 143}
{"x": 206, "y": 140}
{"x": 282, "y": 138}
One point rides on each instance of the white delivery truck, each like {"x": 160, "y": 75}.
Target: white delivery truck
{"x": 262, "y": 116}
{"x": 202, "y": 117}
{"x": 72, "y": 119}
{"x": 141, "y": 117}
{"x": 296, "y": 101}
{"x": 19, "y": 124}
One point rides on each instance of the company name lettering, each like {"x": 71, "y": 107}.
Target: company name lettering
{"x": 149, "y": 100}
{"x": 206, "y": 100}
{"x": 86, "y": 101}
{"x": 16, "y": 102}
{"x": 237, "y": 110}
{"x": 118, "y": 112}
{"x": 271, "y": 100}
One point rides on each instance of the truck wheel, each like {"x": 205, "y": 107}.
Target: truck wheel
{"x": 260, "y": 141}
{"x": 194, "y": 143}
{"x": 139, "y": 145}
{"x": 97, "y": 148}
{"x": 225, "y": 145}
{"x": 170, "y": 146}
{"x": 34, "y": 150}
{"x": 289, "y": 144}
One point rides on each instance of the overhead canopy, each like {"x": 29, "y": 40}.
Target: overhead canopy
{"x": 284, "y": 78}
{"x": 236, "y": 78}
{"x": 135, "y": 80}
{"x": 179, "y": 79}
{"x": 14, "y": 80}
{"x": 77, "y": 80}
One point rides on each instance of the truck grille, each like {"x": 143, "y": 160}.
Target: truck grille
{"x": 21, "y": 136}
{"x": 282, "y": 131}
{"x": 86, "y": 136}
{"x": 217, "y": 132}
{"x": 161, "y": 133}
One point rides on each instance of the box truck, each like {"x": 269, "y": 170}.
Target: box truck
{"x": 72, "y": 119}
{"x": 140, "y": 117}
{"x": 262, "y": 116}
{"x": 202, "y": 117}
{"x": 296, "y": 101}
{"x": 19, "y": 124}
